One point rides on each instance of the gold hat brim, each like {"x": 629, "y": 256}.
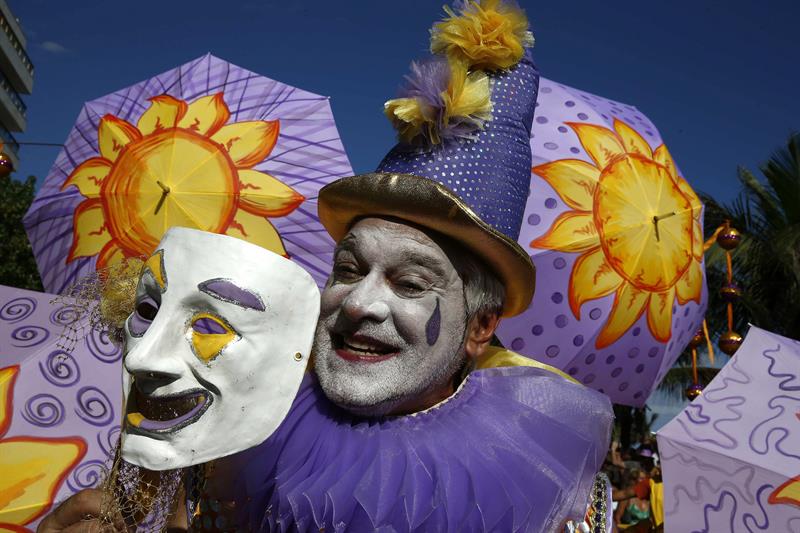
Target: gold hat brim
{"x": 432, "y": 205}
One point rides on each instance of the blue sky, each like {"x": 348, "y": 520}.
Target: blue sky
{"x": 719, "y": 79}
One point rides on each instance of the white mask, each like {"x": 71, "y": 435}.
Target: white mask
{"x": 215, "y": 350}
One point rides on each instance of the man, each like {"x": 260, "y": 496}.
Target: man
{"x": 423, "y": 426}
{"x": 400, "y": 323}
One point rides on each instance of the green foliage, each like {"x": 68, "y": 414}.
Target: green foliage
{"x": 767, "y": 262}
{"x": 17, "y": 266}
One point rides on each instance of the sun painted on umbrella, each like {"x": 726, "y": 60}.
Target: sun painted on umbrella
{"x": 181, "y": 165}
{"x": 788, "y": 493}
{"x": 33, "y": 468}
{"x": 636, "y": 224}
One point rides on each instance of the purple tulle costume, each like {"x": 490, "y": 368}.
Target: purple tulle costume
{"x": 515, "y": 449}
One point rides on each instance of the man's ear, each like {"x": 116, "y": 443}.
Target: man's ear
{"x": 479, "y": 334}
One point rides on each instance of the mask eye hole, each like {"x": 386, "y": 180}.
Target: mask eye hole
{"x": 210, "y": 335}
{"x": 146, "y": 310}
{"x": 208, "y": 325}
{"x": 143, "y": 314}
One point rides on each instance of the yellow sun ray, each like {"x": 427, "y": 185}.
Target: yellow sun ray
{"x": 572, "y": 231}
{"x": 788, "y": 493}
{"x": 91, "y": 234}
{"x": 690, "y": 285}
{"x": 628, "y": 307}
{"x": 697, "y": 242}
{"x": 7, "y": 377}
{"x": 206, "y": 115}
{"x": 574, "y": 180}
{"x": 114, "y": 134}
{"x": 33, "y": 469}
{"x": 111, "y": 254}
{"x": 258, "y": 230}
{"x": 632, "y": 141}
{"x": 262, "y": 194}
{"x": 89, "y": 176}
{"x": 663, "y": 157}
{"x": 659, "y": 314}
{"x": 592, "y": 277}
{"x": 602, "y": 144}
{"x": 164, "y": 112}
{"x": 248, "y": 143}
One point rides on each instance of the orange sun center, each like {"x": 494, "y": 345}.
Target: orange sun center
{"x": 644, "y": 225}
{"x": 149, "y": 189}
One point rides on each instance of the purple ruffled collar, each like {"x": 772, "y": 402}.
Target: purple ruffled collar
{"x": 515, "y": 449}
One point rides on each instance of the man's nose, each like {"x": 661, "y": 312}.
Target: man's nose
{"x": 368, "y": 300}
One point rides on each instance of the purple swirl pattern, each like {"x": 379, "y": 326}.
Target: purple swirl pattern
{"x": 108, "y": 440}
{"x": 60, "y": 369}
{"x": 728, "y": 450}
{"x": 86, "y": 475}
{"x": 60, "y": 392}
{"x": 94, "y": 407}
{"x": 65, "y": 315}
{"x": 28, "y": 336}
{"x": 17, "y": 309}
{"x": 44, "y": 411}
{"x": 101, "y": 347}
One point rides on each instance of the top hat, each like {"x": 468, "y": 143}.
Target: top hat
{"x": 462, "y": 166}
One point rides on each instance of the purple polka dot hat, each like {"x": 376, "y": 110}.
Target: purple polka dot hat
{"x": 462, "y": 165}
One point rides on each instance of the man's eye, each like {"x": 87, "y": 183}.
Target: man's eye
{"x": 411, "y": 286}
{"x": 345, "y": 272}
{"x": 146, "y": 310}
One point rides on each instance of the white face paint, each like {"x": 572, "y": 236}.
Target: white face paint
{"x": 215, "y": 350}
{"x": 391, "y": 329}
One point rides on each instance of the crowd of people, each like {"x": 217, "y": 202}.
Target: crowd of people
{"x": 637, "y": 487}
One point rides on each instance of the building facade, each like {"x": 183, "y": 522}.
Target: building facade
{"x": 16, "y": 78}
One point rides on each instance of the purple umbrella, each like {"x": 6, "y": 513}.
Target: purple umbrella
{"x": 616, "y": 236}
{"x": 731, "y": 459}
{"x": 207, "y": 145}
{"x": 59, "y": 410}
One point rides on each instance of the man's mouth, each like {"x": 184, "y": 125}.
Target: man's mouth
{"x": 361, "y": 348}
{"x": 164, "y": 414}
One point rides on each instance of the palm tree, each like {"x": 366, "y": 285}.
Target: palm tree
{"x": 766, "y": 263}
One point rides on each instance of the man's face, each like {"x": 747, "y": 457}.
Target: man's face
{"x": 392, "y": 319}
{"x": 215, "y": 349}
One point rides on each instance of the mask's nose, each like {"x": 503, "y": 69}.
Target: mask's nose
{"x": 155, "y": 360}
{"x": 149, "y": 381}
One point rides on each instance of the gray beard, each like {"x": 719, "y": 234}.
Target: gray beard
{"x": 379, "y": 388}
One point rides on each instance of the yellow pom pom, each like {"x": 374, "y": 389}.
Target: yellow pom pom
{"x": 489, "y": 35}
{"x": 467, "y": 97}
{"x": 411, "y": 118}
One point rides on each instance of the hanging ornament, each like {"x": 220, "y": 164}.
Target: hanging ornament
{"x": 729, "y": 237}
{"x": 6, "y": 166}
{"x": 698, "y": 339}
{"x": 729, "y": 342}
{"x": 730, "y": 292}
{"x": 693, "y": 391}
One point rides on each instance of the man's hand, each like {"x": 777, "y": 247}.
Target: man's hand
{"x": 78, "y": 513}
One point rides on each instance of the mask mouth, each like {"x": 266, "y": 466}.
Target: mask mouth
{"x": 154, "y": 415}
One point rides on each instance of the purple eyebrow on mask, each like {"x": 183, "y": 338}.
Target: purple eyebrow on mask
{"x": 227, "y": 291}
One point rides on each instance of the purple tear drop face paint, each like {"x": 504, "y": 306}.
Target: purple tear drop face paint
{"x": 434, "y": 325}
